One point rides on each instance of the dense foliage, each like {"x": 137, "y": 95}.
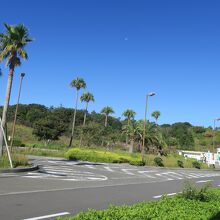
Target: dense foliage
{"x": 54, "y": 123}
{"x": 166, "y": 208}
{"x": 117, "y": 156}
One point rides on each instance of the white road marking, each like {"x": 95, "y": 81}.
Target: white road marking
{"x": 127, "y": 171}
{"x": 204, "y": 181}
{"x": 48, "y": 216}
{"x": 169, "y": 194}
{"x": 162, "y": 175}
{"x": 89, "y": 166}
{"x": 146, "y": 175}
{"x": 109, "y": 169}
{"x": 172, "y": 175}
{"x": 157, "y": 197}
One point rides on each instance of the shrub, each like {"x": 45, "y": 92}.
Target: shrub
{"x": 196, "y": 164}
{"x": 180, "y": 163}
{"x": 193, "y": 192}
{"x": 17, "y": 143}
{"x": 137, "y": 163}
{"x": 166, "y": 208}
{"x": 158, "y": 161}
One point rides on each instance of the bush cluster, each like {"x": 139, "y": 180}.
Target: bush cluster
{"x": 166, "y": 208}
{"x": 158, "y": 161}
{"x": 180, "y": 163}
{"x": 196, "y": 164}
{"x": 101, "y": 156}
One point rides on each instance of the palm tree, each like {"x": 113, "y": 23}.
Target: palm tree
{"x": 133, "y": 132}
{"x": 86, "y": 97}
{"x": 107, "y": 111}
{"x": 12, "y": 49}
{"x": 129, "y": 114}
{"x": 77, "y": 83}
{"x": 153, "y": 136}
{"x": 156, "y": 115}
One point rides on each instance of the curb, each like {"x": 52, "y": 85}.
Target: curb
{"x": 19, "y": 170}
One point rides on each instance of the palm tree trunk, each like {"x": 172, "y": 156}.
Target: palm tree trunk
{"x": 106, "y": 120}
{"x": 127, "y": 135}
{"x": 84, "y": 123}
{"x": 6, "y": 104}
{"x": 74, "y": 119}
{"x": 131, "y": 148}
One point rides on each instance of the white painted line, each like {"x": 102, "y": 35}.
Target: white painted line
{"x": 109, "y": 169}
{"x": 157, "y": 197}
{"x": 161, "y": 175}
{"x": 172, "y": 175}
{"x": 89, "y": 166}
{"x": 146, "y": 175}
{"x": 48, "y": 216}
{"x": 127, "y": 171}
{"x": 204, "y": 181}
{"x": 169, "y": 194}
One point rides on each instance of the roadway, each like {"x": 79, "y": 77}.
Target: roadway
{"x": 66, "y": 187}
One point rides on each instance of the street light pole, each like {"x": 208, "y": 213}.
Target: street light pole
{"x": 16, "y": 110}
{"x": 213, "y": 137}
{"x": 145, "y": 124}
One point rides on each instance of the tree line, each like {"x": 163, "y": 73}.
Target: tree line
{"x": 49, "y": 123}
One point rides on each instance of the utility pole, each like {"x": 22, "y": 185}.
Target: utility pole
{"x": 145, "y": 124}
{"x": 213, "y": 137}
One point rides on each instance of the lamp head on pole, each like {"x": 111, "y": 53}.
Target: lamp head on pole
{"x": 22, "y": 75}
{"x": 151, "y": 94}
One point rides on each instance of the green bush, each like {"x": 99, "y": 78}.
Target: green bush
{"x": 158, "y": 161}
{"x": 193, "y": 192}
{"x": 17, "y": 143}
{"x": 137, "y": 163}
{"x": 100, "y": 156}
{"x": 180, "y": 163}
{"x": 196, "y": 164}
{"x": 167, "y": 208}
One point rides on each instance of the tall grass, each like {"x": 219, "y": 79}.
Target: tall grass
{"x": 18, "y": 160}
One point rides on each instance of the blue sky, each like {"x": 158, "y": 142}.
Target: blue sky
{"x": 123, "y": 49}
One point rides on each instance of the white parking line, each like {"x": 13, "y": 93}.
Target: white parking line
{"x": 169, "y": 194}
{"x": 204, "y": 181}
{"x": 146, "y": 175}
{"x": 162, "y": 175}
{"x": 109, "y": 169}
{"x": 127, "y": 171}
{"x": 48, "y": 216}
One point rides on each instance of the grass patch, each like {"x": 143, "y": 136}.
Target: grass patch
{"x": 101, "y": 156}
{"x": 18, "y": 160}
{"x": 167, "y": 208}
{"x": 42, "y": 152}
{"x": 98, "y": 155}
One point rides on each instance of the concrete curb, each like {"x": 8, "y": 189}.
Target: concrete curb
{"x": 20, "y": 170}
